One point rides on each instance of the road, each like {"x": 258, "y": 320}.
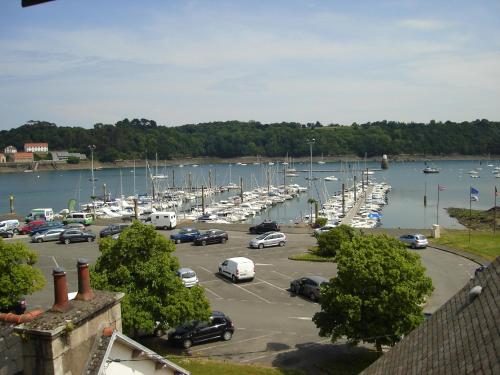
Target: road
{"x": 273, "y": 327}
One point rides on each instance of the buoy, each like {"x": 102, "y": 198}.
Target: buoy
{"x": 385, "y": 163}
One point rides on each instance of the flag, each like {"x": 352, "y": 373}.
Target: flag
{"x": 473, "y": 191}
{"x": 441, "y": 187}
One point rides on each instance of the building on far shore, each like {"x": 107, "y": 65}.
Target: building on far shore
{"x": 37, "y": 148}
{"x": 3, "y": 159}
{"x": 9, "y": 150}
{"x": 23, "y": 157}
{"x": 64, "y": 155}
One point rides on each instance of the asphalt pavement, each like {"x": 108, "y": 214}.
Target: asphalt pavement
{"x": 273, "y": 327}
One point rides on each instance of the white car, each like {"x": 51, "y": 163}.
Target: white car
{"x": 237, "y": 269}
{"x": 268, "y": 239}
{"x": 415, "y": 240}
{"x": 324, "y": 229}
{"x": 188, "y": 277}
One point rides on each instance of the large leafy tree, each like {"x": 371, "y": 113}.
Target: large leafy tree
{"x": 377, "y": 294}
{"x": 330, "y": 242}
{"x": 18, "y": 277}
{"x": 141, "y": 265}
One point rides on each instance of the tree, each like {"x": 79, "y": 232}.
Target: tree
{"x": 329, "y": 243}
{"x": 141, "y": 265}
{"x": 18, "y": 277}
{"x": 377, "y": 294}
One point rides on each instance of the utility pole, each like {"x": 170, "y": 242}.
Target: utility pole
{"x": 92, "y": 148}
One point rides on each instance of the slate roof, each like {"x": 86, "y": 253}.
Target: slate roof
{"x": 462, "y": 337}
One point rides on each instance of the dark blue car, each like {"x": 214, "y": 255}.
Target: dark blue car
{"x": 185, "y": 235}
{"x": 45, "y": 227}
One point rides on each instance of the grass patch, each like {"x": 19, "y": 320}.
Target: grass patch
{"x": 484, "y": 244}
{"x": 210, "y": 367}
{"x": 310, "y": 257}
{"x": 476, "y": 219}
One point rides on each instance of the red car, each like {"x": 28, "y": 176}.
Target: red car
{"x": 31, "y": 225}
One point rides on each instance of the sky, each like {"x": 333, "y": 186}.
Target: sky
{"x": 81, "y": 62}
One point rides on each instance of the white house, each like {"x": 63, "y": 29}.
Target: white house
{"x": 36, "y": 147}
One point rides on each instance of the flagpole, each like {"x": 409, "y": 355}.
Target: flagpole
{"x": 437, "y": 209}
{"x": 470, "y": 209}
{"x": 495, "y": 212}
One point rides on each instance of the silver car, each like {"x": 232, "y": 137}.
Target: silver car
{"x": 49, "y": 235}
{"x": 188, "y": 277}
{"x": 415, "y": 240}
{"x": 268, "y": 239}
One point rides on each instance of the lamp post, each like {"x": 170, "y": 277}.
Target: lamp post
{"x": 310, "y": 142}
{"x": 92, "y": 148}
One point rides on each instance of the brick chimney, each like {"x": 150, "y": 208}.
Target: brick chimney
{"x": 61, "y": 303}
{"x": 85, "y": 292}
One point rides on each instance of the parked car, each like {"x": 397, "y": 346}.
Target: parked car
{"x": 79, "y": 217}
{"x": 75, "y": 235}
{"x": 7, "y": 233}
{"x": 218, "y": 326}
{"x": 415, "y": 240}
{"x": 78, "y": 226}
{"x": 309, "y": 286}
{"x": 9, "y": 224}
{"x": 19, "y": 308}
{"x": 238, "y": 268}
{"x": 268, "y": 239}
{"x": 45, "y": 227}
{"x": 188, "y": 277}
{"x": 113, "y": 229}
{"x": 266, "y": 226}
{"x": 324, "y": 229}
{"x": 49, "y": 235}
{"x": 30, "y": 226}
{"x": 185, "y": 235}
{"x": 211, "y": 236}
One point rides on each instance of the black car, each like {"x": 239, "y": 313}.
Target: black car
{"x": 266, "y": 226}
{"x": 218, "y": 326}
{"x": 45, "y": 227}
{"x": 75, "y": 235}
{"x": 8, "y": 233}
{"x": 19, "y": 308}
{"x": 211, "y": 236}
{"x": 309, "y": 286}
{"x": 113, "y": 229}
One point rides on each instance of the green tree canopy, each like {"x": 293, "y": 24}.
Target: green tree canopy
{"x": 17, "y": 275}
{"x": 377, "y": 294}
{"x": 329, "y": 243}
{"x": 141, "y": 265}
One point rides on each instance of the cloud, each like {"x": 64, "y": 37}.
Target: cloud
{"x": 423, "y": 24}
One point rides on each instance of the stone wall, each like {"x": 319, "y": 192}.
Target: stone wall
{"x": 11, "y": 353}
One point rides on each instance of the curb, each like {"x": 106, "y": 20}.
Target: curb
{"x": 474, "y": 258}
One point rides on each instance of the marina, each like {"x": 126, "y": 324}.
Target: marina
{"x": 253, "y": 192}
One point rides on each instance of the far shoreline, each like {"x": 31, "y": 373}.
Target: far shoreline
{"x": 47, "y": 165}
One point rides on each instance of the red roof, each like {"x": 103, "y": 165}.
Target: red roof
{"x": 36, "y": 145}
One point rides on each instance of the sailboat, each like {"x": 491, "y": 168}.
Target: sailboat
{"x": 321, "y": 161}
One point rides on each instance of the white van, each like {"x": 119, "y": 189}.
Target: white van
{"x": 8, "y": 224}
{"x": 79, "y": 217}
{"x": 46, "y": 214}
{"x": 237, "y": 269}
{"x": 164, "y": 219}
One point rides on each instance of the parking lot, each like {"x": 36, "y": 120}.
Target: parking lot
{"x": 273, "y": 327}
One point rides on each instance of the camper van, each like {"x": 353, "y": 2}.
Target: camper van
{"x": 79, "y": 217}
{"x": 164, "y": 219}
{"x": 46, "y": 214}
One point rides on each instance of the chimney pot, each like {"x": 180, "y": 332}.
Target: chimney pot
{"x": 85, "y": 292}
{"x": 61, "y": 303}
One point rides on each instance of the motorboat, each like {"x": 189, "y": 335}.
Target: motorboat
{"x": 331, "y": 178}
{"x": 430, "y": 170}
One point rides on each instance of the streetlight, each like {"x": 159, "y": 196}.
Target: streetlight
{"x": 92, "y": 148}
{"x": 310, "y": 142}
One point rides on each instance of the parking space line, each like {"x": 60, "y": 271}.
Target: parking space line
{"x": 55, "y": 262}
{"x": 232, "y": 343}
{"x": 251, "y": 284}
{"x": 204, "y": 269}
{"x": 215, "y": 294}
{"x": 282, "y": 274}
{"x": 282, "y": 351}
{"x": 252, "y": 293}
{"x": 209, "y": 281}
{"x": 274, "y": 286}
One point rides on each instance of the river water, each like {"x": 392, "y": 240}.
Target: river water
{"x": 405, "y": 208}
